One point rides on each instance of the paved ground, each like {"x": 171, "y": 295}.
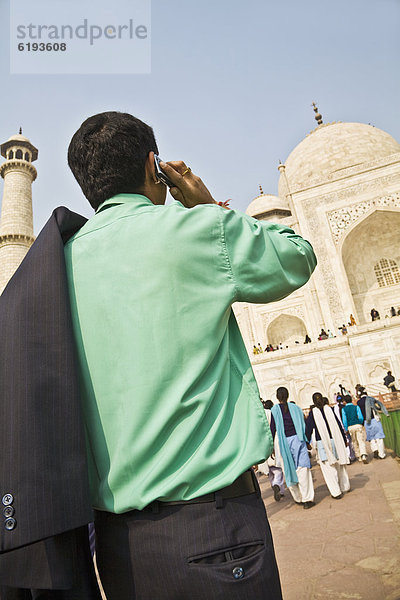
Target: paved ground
{"x": 346, "y": 549}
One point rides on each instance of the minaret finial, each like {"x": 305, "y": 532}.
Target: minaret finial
{"x": 261, "y": 190}
{"x": 318, "y": 117}
{"x": 20, "y": 131}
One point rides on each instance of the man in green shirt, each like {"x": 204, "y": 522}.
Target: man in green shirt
{"x": 171, "y": 407}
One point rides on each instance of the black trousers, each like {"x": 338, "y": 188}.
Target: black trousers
{"x": 195, "y": 551}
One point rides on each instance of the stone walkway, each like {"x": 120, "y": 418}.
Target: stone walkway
{"x": 346, "y": 549}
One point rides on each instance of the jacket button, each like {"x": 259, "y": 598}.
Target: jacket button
{"x": 8, "y": 511}
{"x": 238, "y": 573}
{"x": 10, "y": 524}
{"x": 7, "y": 499}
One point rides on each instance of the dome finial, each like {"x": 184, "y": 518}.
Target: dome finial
{"x": 20, "y": 131}
{"x": 318, "y": 117}
{"x": 261, "y": 190}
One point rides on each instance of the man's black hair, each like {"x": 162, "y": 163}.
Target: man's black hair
{"x": 317, "y": 396}
{"x": 268, "y": 404}
{"x": 107, "y": 155}
{"x": 282, "y": 394}
{"x": 361, "y": 391}
{"x": 348, "y": 399}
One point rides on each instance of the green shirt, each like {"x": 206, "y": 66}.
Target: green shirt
{"x": 170, "y": 403}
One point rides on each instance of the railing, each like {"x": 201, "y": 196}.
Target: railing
{"x": 376, "y": 388}
{"x": 391, "y": 400}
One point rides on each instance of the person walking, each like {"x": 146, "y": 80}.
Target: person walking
{"x": 340, "y": 404}
{"x": 369, "y": 407}
{"x": 287, "y": 423}
{"x": 272, "y": 466}
{"x": 353, "y": 421}
{"x": 331, "y": 445}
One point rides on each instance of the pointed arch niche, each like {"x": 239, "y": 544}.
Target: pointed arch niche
{"x": 286, "y": 329}
{"x": 371, "y": 259}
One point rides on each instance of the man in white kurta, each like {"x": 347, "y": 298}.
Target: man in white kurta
{"x": 331, "y": 446}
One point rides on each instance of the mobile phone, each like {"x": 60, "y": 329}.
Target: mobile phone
{"x": 161, "y": 176}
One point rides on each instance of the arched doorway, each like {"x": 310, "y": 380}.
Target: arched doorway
{"x": 286, "y": 330}
{"x": 371, "y": 258}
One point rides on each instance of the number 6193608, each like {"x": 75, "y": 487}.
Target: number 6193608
{"x": 42, "y": 47}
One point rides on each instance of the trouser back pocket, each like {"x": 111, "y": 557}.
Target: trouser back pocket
{"x": 227, "y": 554}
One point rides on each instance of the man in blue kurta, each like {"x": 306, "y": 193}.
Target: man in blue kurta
{"x": 171, "y": 407}
{"x": 288, "y": 424}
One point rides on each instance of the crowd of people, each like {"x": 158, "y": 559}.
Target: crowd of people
{"x": 269, "y": 348}
{"x": 336, "y": 433}
{"x": 324, "y": 335}
{"x": 393, "y": 312}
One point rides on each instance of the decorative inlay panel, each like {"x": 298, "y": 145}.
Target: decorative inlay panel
{"x": 340, "y": 219}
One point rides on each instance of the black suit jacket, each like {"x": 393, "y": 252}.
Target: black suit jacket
{"x": 44, "y": 487}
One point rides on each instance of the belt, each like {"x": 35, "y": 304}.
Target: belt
{"x": 243, "y": 485}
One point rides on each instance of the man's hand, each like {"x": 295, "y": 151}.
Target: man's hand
{"x": 188, "y": 189}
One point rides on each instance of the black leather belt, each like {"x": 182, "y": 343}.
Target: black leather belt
{"x": 243, "y": 485}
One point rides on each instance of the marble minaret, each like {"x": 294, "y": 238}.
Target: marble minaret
{"x": 16, "y": 221}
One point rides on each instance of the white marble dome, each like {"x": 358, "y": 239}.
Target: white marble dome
{"x": 333, "y": 147}
{"x": 18, "y": 137}
{"x": 265, "y": 203}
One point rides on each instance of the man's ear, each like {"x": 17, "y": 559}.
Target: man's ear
{"x": 150, "y": 171}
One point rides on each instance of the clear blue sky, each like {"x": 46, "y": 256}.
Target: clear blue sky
{"x": 230, "y": 89}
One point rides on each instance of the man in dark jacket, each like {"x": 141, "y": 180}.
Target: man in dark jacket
{"x": 389, "y": 381}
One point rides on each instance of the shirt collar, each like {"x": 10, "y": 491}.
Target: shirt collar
{"x": 123, "y": 199}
